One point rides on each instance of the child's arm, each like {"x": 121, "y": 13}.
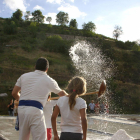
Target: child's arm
{"x": 53, "y": 120}
{"x": 84, "y": 122}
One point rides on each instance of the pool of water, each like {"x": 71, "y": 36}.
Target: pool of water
{"x": 100, "y": 127}
{"x": 112, "y": 123}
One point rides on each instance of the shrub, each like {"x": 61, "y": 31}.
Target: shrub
{"x": 33, "y": 28}
{"x": 49, "y": 27}
{"x": 106, "y": 45}
{"x": 88, "y": 33}
{"x": 10, "y": 28}
{"x": 129, "y": 45}
{"x": 120, "y": 44}
{"x": 136, "y": 48}
{"x": 67, "y": 32}
{"x": 56, "y": 44}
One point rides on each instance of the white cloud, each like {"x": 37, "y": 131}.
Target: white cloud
{"x": 37, "y": 7}
{"x": 53, "y": 16}
{"x": 71, "y": 0}
{"x": 131, "y": 24}
{"x": 127, "y": 19}
{"x": 55, "y": 1}
{"x": 15, "y": 4}
{"x": 99, "y": 18}
{"x": 85, "y": 1}
{"x": 72, "y": 11}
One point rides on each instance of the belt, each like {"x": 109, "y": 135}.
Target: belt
{"x": 31, "y": 103}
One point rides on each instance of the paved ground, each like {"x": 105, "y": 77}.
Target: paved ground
{"x": 99, "y": 127}
{"x": 8, "y": 132}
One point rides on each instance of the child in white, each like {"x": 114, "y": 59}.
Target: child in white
{"x": 73, "y": 112}
{"x": 48, "y": 109}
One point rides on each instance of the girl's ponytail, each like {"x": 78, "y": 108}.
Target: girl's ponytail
{"x": 72, "y": 100}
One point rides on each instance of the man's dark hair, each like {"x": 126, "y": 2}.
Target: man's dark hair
{"x": 42, "y": 64}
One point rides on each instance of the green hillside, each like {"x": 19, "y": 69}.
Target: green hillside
{"x": 21, "y": 44}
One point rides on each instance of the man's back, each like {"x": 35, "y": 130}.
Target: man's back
{"x": 36, "y": 86}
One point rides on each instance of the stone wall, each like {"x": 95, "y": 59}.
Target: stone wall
{"x": 69, "y": 37}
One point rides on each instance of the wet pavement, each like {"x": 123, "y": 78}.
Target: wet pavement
{"x": 99, "y": 127}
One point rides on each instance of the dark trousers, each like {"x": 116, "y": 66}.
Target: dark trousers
{"x": 91, "y": 111}
{"x": 70, "y": 136}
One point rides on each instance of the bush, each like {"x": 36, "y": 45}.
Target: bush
{"x": 136, "y": 48}
{"x": 106, "y": 45}
{"x": 120, "y": 44}
{"x": 67, "y": 32}
{"x": 49, "y": 27}
{"x": 129, "y": 45}
{"x": 56, "y": 44}
{"x": 10, "y": 28}
{"x": 88, "y": 33}
{"x": 33, "y": 28}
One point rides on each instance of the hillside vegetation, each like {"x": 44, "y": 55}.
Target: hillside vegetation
{"x": 23, "y": 43}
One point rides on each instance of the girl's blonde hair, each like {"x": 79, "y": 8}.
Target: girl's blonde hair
{"x": 76, "y": 86}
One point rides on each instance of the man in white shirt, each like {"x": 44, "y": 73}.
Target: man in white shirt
{"x": 91, "y": 106}
{"x": 35, "y": 88}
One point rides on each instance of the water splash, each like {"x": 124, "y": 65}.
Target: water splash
{"x": 91, "y": 64}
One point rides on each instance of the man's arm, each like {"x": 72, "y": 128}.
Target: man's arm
{"x": 15, "y": 92}
{"x": 62, "y": 93}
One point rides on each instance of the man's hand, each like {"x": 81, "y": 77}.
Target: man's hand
{"x": 62, "y": 93}
{"x": 56, "y": 137}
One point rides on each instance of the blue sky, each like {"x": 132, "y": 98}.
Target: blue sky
{"x": 105, "y": 14}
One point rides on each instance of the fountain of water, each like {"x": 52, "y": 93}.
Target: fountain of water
{"x": 95, "y": 67}
{"x": 91, "y": 64}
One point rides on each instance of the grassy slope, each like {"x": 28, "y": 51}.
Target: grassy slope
{"x": 15, "y": 61}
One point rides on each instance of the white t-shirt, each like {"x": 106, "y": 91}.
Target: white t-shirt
{"x": 71, "y": 119}
{"x": 36, "y": 86}
{"x": 48, "y": 109}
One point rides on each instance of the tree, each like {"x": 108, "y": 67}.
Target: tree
{"x": 117, "y": 31}
{"x": 27, "y": 15}
{"x": 90, "y": 26}
{"x": 73, "y": 23}
{"x": 17, "y": 15}
{"x": 49, "y": 19}
{"x": 37, "y": 16}
{"x": 136, "y": 47}
{"x": 62, "y": 18}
